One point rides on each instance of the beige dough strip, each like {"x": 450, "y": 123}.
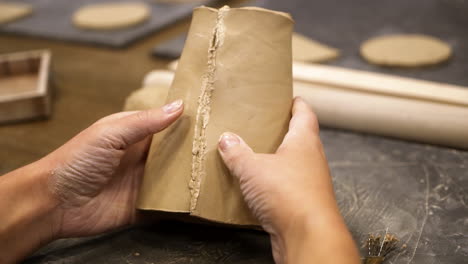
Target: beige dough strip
{"x": 203, "y": 112}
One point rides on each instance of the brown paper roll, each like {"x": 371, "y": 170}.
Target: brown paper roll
{"x": 235, "y": 74}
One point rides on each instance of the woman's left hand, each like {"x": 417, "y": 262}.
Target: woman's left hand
{"x": 95, "y": 177}
{"x": 86, "y": 187}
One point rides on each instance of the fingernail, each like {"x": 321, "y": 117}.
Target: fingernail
{"x": 173, "y": 107}
{"x": 228, "y": 140}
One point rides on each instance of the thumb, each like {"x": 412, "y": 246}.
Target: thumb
{"x": 303, "y": 134}
{"x": 235, "y": 153}
{"x": 131, "y": 128}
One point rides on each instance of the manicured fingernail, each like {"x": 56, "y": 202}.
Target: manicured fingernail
{"x": 228, "y": 140}
{"x": 173, "y": 107}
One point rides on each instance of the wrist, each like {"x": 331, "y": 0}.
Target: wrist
{"x": 29, "y": 211}
{"x": 47, "y": 205}
{"x": 320, "y": 238}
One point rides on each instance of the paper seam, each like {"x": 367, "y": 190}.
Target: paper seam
{"x": 204, "y": 108}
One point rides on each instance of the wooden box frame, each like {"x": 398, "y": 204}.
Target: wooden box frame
{"x": 25, "y": 80}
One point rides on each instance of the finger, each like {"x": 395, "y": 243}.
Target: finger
{"x": 303, "y": 128}
{"x": 136, "y": 153}
{"x": 115, "y": 116}
{"x": 235, "y": 153}
{"x": 140, "y": 149}
{"x": 130, "y": 129}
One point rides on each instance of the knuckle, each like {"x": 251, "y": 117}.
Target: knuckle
{"x": 106, "y": 130}
{"x": 97, "y": 130}
{"x": 143, "y": 116}
{"x": 108, "y": 137}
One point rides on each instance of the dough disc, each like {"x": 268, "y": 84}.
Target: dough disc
{"x": 308, "y": 50}
{"x": 109, "y": 16}
{"x": 13, "y": 11}
{"x": 411, "y": 50}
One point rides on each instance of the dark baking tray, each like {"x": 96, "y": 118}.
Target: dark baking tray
{"x": 52, "y": 19}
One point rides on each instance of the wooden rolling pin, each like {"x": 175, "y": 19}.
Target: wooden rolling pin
{"x": 381, "y": 104}
{"x": 405, "y": 108}
{"x": 383, "y": 84}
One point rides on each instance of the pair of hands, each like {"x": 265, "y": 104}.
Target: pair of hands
{"x": 90, "y": 184}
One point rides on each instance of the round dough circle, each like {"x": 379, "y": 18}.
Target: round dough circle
{"x": 109, "y": 16}
{"x": 13, "y": 11}
{"x": 410, "y": 50}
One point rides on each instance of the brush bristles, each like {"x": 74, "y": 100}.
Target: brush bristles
{"x": 379, "y": 248}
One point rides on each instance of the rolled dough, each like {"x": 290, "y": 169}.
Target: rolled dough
{"x": 308, "y": 50}
{"x": 12, "y": 11}
{"x": 108, "y": 16}
{"x": 409, "y": 50}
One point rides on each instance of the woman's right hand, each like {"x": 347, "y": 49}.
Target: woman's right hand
{"x": 291, "y": 193}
